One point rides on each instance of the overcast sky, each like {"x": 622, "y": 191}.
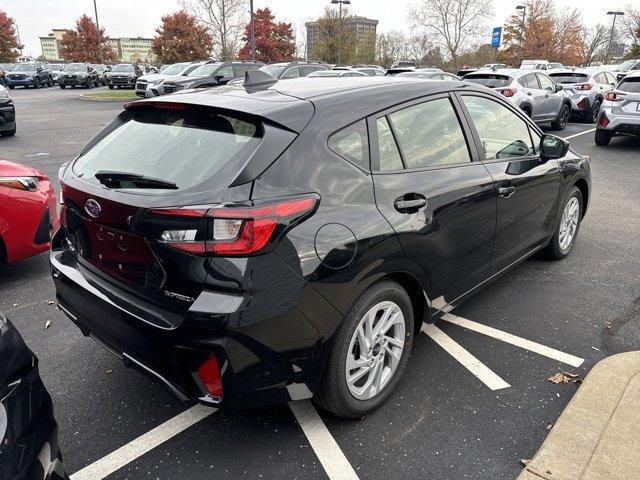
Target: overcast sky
{"x": 130, "y": 18}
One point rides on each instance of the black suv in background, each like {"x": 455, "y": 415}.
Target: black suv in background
{"x": 7, "y": 114}
{"x": 123, "y": 75}
{"x": 102, "y": 71}
{"x": 211, "y": 74}
{"x": 287, "y": 239}
{"x": 78, "y": 75}
{"x": 29, "y": 75}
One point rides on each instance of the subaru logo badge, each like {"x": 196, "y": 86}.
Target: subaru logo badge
{"x": 92, "y": 207}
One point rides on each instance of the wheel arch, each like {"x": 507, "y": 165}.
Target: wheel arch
{"x": 526, "y": 108}
{"x": 583, "y": 186}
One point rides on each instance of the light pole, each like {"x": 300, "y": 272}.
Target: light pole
{"x": 253, "y": 33}
{"x": 95, "y": 8}
{"x": 613, "y": 26}
{"x": 340, "y": 2}
{"x": 524, "y": 13}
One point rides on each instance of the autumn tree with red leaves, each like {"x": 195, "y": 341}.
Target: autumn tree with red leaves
{"x": 274, "y": 41}
{"x": 84, "y": 43}
{"x": 9, "y": 45}
{"x": 181, "y": 39}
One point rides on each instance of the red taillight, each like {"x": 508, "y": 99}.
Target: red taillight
{"x": 209, "y": 374}
{"x": 613, "y": 96}
{"x": 604, "y": 121}
{"x": 233, "y": 230}
{"x": 586, "y": 86}
{"x": 508, "y": 92}
{"x": 581, "y": 105}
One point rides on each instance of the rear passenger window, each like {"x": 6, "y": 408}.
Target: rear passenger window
{"x": 387, "y": 148}
{"x": 306, "y": 70}
{"x": 503, "y": 133}
{"x": 352, "y": 143}
{"x": 529, "y": 81}
{"x": 430, "y": 134}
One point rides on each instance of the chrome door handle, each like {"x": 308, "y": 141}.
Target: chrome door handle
{"x": 410, "y": 203}
{"x": 506, "y": 192}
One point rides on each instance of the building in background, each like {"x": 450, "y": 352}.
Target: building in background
{"x": 128, "y": 49}
{"x": 364, "y": 28}
{"x": 51, "y": 44}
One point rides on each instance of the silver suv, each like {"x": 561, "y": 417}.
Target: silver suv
{"x": 535, "y": 93}
{"x": 586, "y": 87}
{"x": 150, "y": 85}
{"x": 620, "y": 112}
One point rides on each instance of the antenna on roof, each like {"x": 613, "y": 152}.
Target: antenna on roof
{"x": 258, "y": 78}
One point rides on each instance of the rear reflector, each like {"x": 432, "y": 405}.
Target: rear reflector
{"x": 508, "y": 92}
{"x": 604, "y": 121}
{"x": 209, "y": 373}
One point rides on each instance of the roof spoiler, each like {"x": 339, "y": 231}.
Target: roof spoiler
{"x": 258, "y": 78}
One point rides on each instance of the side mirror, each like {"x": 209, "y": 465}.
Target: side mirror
{"x": 559, "y": 88}
{"x": 552, "y": 147}
{"x": 217, "y": 78}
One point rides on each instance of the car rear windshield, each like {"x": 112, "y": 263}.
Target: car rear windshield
{"x": 631, "y": 85}
{"x": 569, "y": 77}
{"x": 489, "y": 80}
{"x": 76, "y": 67}
{"x": 123, "y": 68}
{"x": 185, "y": 147}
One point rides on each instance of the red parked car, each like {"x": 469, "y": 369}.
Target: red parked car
{"x": 28, "y": 211}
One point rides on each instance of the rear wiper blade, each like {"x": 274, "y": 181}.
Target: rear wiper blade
{"x": 132, "y": 180}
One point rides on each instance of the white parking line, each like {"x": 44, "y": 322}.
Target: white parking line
{"x": 514, "y": 340}
{"x": 578, "y": 134}
{"x": 471, "y": 363}
{"x": 143, "y": 444}
{"x": 333, "y": 461}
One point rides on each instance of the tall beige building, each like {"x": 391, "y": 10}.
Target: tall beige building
{"x": 128, "y": 49}
{"x": 360, "y": 25}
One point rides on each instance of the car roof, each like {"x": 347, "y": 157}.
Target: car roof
{"x": 633, "y": 74}
{"x": 291, "y": 103}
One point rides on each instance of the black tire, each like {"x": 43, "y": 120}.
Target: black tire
{"x": 527, "y": 111}
{"x": 333, "y": 393}
{"x": 553, "y": 250}
{"x": 592, "y": 115}
{"x": 11, "y": 87}
{"x": 563, "y": 117}
{"x": 110, "y": 87}
{"x": 36, "y": 84}
{"x": 603, "y": 137}
{"x": 87, "y": 84}
{"x": 9, "y": 133}
{"x": 63, "y": 87}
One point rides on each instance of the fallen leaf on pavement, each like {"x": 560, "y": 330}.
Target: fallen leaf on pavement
{"x": 559, "y": 378}
{"x": 47, "y": 324}
{"x": 525, "y": 461}
{"x": 549, "y": 426}
{"x": 51, "y": 302}
{"x": 572, "y": 375}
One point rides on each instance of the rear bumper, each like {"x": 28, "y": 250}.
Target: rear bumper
{"x": 70, "y": 82}
{"x": 621, "y": 123}
{"x": 265, "y": 356}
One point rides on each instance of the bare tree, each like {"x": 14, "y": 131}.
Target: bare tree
{"x": 594, "y": 43}
{"x": 225, "y": 19}
{"x": 453, "y": 24}
{"x": 631, "y": 24}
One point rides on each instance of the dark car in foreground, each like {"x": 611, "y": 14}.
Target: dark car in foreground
{"x": 79, "y": 75}
{"x": 253, "y": 244}
{"x": 29, "y": 75}
{"x": 7, "y": 114}
{"x": 123, "y": 75}
{"x": 29, "y": 448}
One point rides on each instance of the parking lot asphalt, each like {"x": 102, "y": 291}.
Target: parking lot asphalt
{"x": 442, "y": 422}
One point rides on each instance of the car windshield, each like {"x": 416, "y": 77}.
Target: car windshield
{"x": 631, "y": 85}
{"x": 528, "y": 66}
{"x": 326, "y": 73}
{"x": 25, "y": 67}
{"x": 76, "y": 67}
{"x": 204, "y": 70}
{"x": 56, "y": 66}
{"x": 184, "y": 147}
{"x": 124, "y": 68}
{"x": 175, "y": 69}
{"x": 489, "y": 80}
{"x": 569, "y": 77}
{"x": 273, "y": 70}
{"x": 625, "y": 66}
{"x": 98, "y": 68}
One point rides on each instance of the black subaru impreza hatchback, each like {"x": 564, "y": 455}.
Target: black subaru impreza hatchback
{"x": 274, "y": 241}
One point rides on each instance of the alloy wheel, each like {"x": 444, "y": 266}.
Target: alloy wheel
{"x": 569, "y": 223}
{"x": 375, "y": 350}
{"x": 564, "y": 116}
{"x": 595, "y": 111}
